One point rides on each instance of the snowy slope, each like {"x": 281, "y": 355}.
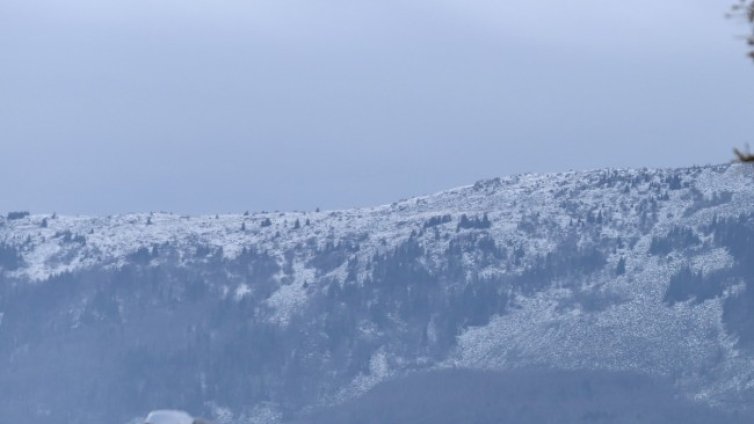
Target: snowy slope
{"x": 507, "y": 201}
{"x": 569, "y": 270}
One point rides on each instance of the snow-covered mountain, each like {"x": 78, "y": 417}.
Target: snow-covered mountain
{"x": 257, "y": 317}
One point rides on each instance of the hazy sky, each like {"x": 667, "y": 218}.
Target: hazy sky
{"x": 203, "y": 106}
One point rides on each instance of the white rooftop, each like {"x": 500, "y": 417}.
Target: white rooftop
{"x": 168, "y": 417}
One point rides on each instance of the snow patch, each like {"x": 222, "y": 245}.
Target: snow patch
{"x": 242, "y": 291}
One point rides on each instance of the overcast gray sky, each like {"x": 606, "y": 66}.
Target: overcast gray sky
{"x": 203, "y": 106}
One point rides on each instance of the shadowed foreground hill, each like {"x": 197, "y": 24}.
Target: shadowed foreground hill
{"x": 521, "y": 397}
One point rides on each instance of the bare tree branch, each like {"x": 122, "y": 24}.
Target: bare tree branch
{"x": 745, "y": 9}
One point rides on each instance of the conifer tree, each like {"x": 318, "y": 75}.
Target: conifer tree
{"x": 621, "y": 268}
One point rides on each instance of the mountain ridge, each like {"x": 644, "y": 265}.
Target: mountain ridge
{"x": 138, "y": 226}
{"x": 258, "y": 317}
